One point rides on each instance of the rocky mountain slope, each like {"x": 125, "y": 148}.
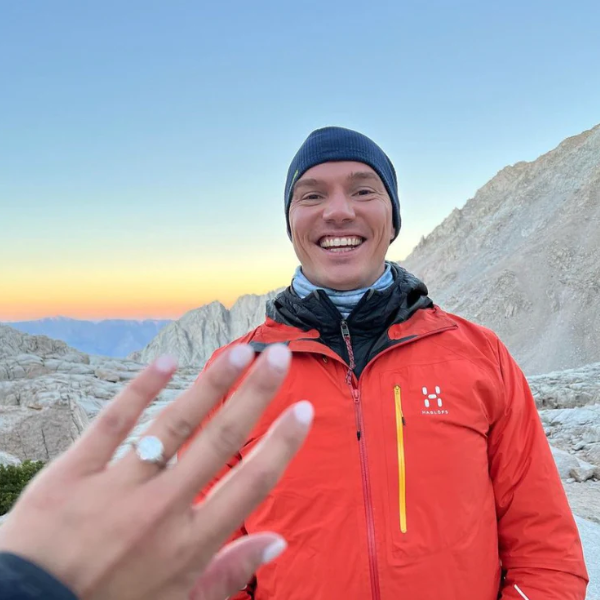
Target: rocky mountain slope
{"x": 523, "y": 257}
{"x": 196, "y": 335}
{"x": 49, "y": 392}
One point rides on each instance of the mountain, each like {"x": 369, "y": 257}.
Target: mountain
{"x": 196, "y": 335}
{"x": 111, "y": 337}
{"x": 523, "y": 257}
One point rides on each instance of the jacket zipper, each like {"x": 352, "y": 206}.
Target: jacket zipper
{"x": 350, "y": 380}
{"x": 400, "y": 424}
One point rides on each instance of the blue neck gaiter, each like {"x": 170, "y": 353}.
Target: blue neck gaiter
{"x": 344, "y": 301}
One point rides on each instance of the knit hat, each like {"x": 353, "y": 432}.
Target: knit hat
{"x": 339, "y": 144}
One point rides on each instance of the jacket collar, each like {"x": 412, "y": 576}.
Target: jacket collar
{"x": 375, "y": 311}
{"x": 422, "y": 324}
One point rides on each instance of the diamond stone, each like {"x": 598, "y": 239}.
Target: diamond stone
{"x": 150, "y": 449}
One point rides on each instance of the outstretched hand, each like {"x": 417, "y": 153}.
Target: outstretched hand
{"x": 128, "y": 529}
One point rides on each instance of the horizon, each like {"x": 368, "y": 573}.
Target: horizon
{"x": 144, "y": 154}
{"x": 96, "y": 321}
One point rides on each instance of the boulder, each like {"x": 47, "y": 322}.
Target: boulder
{"x": 583, "y": 474}
{"x": 8, "y": 460}
{"x": 41, "y": 432}
{"x": 565, "y": 462}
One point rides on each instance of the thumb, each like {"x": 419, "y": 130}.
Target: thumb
{"x": 234, "y": 566}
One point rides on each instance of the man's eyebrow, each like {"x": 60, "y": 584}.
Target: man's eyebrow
{"x": 365, "y": 176}
{"x": 306, "y": 183}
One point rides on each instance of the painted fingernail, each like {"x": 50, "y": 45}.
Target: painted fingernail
{"x": 240, "y": 356}
{"x": 279, "y": 357}
{"x": 165, "y": 364}
{"x": 273, "y": 550}
{"x": 304, "y": 412}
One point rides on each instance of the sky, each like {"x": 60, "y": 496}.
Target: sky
{"x": 144, "y": 145}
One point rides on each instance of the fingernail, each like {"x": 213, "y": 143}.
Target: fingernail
{"x": 240, "y": 356}
{"x": 273, "y": 550}
{"x": 304, "y": 412}
{"x": 279, "y": 357}
{"x": 165, "y": 364}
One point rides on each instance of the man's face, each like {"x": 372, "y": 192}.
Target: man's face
{"x": 341, "y": 222}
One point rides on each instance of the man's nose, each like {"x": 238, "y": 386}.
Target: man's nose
{"x": 338, "y": 207}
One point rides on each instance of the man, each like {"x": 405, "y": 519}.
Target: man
{"x": 427, "y": 474}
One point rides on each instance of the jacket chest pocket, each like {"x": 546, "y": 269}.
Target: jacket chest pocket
{"x": 435, "y": 488}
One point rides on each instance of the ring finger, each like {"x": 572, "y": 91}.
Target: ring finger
{"x": 177, "y": 422}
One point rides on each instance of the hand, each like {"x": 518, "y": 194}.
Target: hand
{"x": 128, "y": 529}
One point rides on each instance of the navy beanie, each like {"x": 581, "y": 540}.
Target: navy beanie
{"x": 339, "y": 144}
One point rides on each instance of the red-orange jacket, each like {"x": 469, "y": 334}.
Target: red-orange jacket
{"x": 428, "y": 478}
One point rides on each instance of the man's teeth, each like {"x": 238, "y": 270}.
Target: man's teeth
{"x": 341, "y": 242}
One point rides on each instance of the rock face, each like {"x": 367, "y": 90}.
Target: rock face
{"x": 194, "y": 337}
{"x": 565, "y": 462}
{"x": 8, "y": 460}
{"x": 569, "y": 407}
{"x": 42, "y": 430}
{"x": 523, "y": 257}
{"x": 567, "y": 389}
{"x": 40, "y": 422}
{"x": 50, "y": 392}
{"x": 13, "y": 343}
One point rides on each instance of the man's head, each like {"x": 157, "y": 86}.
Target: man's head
{"x": 342, "y": 208}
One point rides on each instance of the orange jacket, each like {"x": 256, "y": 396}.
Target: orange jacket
{"x": 428, "y": 478}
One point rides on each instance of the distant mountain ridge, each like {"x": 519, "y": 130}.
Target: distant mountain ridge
{"x": 110, "y": 337}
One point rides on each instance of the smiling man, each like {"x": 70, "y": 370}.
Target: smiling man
{"x": 427, "y": 474}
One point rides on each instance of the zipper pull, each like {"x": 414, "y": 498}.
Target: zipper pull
{"x": 345, "y": 329}
{"x": 356, "y": 398}
{"x": 398, "y": 397}
{"x": 346, "y": 335}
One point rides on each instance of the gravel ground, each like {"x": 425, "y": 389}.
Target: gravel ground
{"x": 590, "y": 536}
{"x": 585, "y": 502}
{"x": 585, "y": 499}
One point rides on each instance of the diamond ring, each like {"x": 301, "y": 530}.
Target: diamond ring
{"x": 150, "y": 449}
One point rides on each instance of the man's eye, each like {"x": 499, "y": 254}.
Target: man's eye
{"x": 311, "y": 196}
{"x": 364, "y": 192}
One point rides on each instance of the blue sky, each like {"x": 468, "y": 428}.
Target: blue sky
{"x": 151, "y": 139}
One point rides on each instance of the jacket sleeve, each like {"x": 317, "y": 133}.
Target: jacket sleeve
{"x": 20, "y": 579}
{"x": 539, "y": 543}
{"x": 248, "y": 592}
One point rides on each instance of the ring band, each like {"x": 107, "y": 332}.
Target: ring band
{"x": 150, "y": 449}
